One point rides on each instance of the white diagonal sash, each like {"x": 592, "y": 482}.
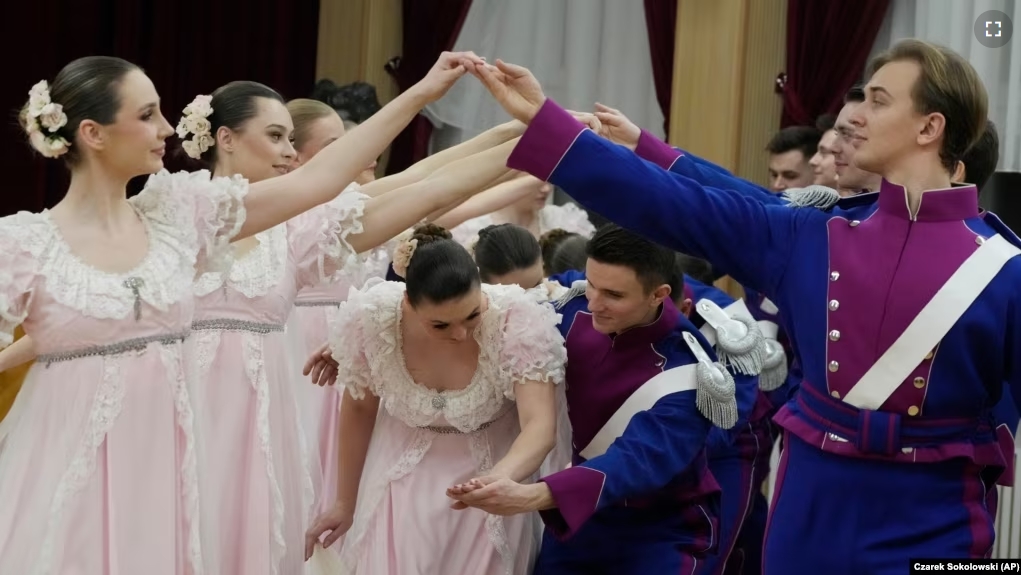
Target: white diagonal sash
{"x": 663, "y": 384}
{"x": 931, "y": 324}
{"x": 735, "y": 309}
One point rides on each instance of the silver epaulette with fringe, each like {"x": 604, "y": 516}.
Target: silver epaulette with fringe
{"x": 774, "y": 366}
{"x": 739, "y": 341}
{"x": 577, "y": 289}
{"x": 715, "y": 391}
{"x": 812, "y": 197}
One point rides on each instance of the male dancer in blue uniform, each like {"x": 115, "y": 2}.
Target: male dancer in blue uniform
{"x": 889, "y": 443}
{"x": 975, "y": 167}
{"x": 779, "y": 380}
{"x": 639, "y": 498}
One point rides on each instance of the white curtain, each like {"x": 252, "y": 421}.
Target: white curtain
{"x": 950, "y": 23}
{"x": 582, "y": 51}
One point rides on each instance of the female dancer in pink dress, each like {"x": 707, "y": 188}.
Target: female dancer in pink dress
{"x": 532, "y": 213}
{"x": 98, "y": 457}
{"x": 259, "y": 472}
{"x": 316, "y": 125}
{"x": 445, "y": 377}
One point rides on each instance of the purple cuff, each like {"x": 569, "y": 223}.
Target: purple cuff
{"x": 546, "y": 141}
{"x": 577, "y": 491}
{"x": 652, "y": 149}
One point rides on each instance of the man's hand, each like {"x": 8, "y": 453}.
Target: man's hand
{"x": 501, "y": 496}
{"x": 617, "y": 127}
{"x": 514, "y": 87}
{"x": 590, "y": 121}
{"x": 321, "y": 366}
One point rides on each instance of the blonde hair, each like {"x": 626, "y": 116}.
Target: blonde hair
{"x": 304, "y": 113}
{"x": 947, "y": 85}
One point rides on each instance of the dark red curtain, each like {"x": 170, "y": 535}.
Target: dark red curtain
{"x": 827, "y": 47}
{"x": 661, "y": 23}
{"x": 429, "y": 29}
{"x": 187, "y": 47}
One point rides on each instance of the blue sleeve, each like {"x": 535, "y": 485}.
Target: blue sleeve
{"x": 701, "y": 170}
{"x": 1012, "y": 383}
{"x": 742, "y": 237}
{"x": 657, "y": 446}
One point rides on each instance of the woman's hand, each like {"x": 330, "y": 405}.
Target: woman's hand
{"x": 447, "y": 70}
{"x": 322, "y": 367}
{"x": 337, "y": 521}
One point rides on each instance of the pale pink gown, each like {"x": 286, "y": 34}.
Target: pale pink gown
{"x": 98, "y": 461}
{"x": 307, "y": 332}
{"x": 425, "y": 441}
{"x": 567, "y": 217}
{"x": 257, "y": 471}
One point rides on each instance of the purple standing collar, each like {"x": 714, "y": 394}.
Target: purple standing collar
{"x": 956, "y": 203}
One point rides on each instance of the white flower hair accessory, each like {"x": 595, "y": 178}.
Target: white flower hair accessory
{"x": 42, "y": 120}
{"x": 406, "y": 244}
{"x": 195, "y": 122}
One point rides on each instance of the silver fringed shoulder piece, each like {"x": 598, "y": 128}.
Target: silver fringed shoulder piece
{"x": 812, "y": 197}
{"x": 739, "y": 341}
{"x": 774, "y": 366}
{"x": 714, "y": 394}
{"x": 577, "y": 288}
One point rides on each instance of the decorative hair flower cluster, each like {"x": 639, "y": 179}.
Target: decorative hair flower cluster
{"x": 196, "y": 123}
{"x": 42, "y": 120}
{"x": 406, "y": 244}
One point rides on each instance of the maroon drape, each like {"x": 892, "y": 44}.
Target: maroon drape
{"x": 661, "y": 23}
{"x": 186, "y": 47}
{"x": 429, "y": 29}
{"x": 827, "y": 47}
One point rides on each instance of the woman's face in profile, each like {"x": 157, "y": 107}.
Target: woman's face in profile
{"x": 321, "y": 133}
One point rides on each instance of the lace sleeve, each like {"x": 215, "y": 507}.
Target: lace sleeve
{"x": 207, "y": 212}
{"x": 16, "y": 271}
{"x": 318, "y": 238}
{"x": 533, "y": 349}
{"x": 361, "y": 331}
{"x": 568, "y": 217}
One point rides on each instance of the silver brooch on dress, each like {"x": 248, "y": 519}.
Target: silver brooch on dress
{"x": 134, "y": 284}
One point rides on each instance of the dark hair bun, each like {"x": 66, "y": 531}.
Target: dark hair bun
{"x": 490, "y": 229}
{"x": 429, "y": 232}
{"x": 440, "y": 268}
{"x": 552, "y": 238}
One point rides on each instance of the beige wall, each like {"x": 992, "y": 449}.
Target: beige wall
{"x": 726, "y": 57}
{"x": 356, "y": 39}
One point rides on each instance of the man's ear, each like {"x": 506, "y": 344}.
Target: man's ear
{"x": 660, "y": 294}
